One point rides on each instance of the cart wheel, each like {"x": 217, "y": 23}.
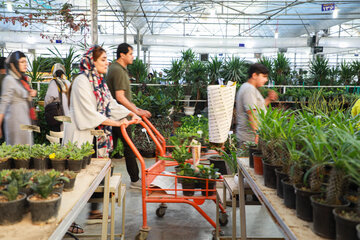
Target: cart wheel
{"x": 223, "y": 219}
{"x": 221, "y": 233}
{"x": 160, "y": 212}
{"x": 142, "y": 235}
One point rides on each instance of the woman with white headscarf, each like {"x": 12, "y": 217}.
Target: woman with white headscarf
{"x": 16, "y": 107}
{"x": 59, "y": 85}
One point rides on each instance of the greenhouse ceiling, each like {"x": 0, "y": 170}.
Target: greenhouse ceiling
{"x": 173, "y": 20}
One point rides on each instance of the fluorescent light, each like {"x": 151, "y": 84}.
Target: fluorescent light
{"x": 276, "y": 35}
{"x": 335, "y": 13}
{"x": 9, "y": 6}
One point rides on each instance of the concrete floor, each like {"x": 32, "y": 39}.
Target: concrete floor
{"x": 181, "y": 221}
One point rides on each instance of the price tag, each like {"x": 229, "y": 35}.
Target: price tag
{"x": 57, "y": 134}
{"x": 63, "y": 119}
{"x": 30, "y": 128}
{"x": 53, "y": 139}
{"x": 97, "y": 132}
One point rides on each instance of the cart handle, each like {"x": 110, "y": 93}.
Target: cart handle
{"x": 158, "y": 134}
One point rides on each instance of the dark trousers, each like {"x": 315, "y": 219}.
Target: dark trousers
{"x": 130, "y": 158}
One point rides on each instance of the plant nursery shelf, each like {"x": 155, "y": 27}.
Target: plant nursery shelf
{"x": 291, "y": 226}
{"x": 71, "y": 205}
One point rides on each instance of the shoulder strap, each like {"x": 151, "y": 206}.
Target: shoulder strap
{"x": 60, "y": 91}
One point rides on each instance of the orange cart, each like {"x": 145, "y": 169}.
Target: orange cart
{"x": 157, "y": 195}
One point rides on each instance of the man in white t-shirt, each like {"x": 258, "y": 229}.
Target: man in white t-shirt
{"x": 248, "y": 99}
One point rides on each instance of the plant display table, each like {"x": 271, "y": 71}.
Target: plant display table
{"x": 291, "y": 226}
{"x": 71, "y": 205}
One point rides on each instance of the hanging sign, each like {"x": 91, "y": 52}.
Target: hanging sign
{"x": 327, "y": 7}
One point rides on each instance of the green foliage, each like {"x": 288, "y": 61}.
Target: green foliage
{"x": 69, "y": 174}
{"x": 44, "y": 183}
{"x": 68, "y": 60}
{"x": 319, "y": 70}
{"x": 5, "y": 176}
{"x": 346, "y": 73}
{"x": 231, "y": 160}
{"x": 214, "y": 69}
{"x": 138, "y": 70}
{"x": 191, "y": 125}
{"x": 11, "y": 191}
{"x": 235, "y": 69}
{"x": 5, "y": 150}
{"x": 207, "y": 172}
{"x": 22, "y": 177}
{"x": 181, "y": 152}
{"x": 187, "y": 171}
{"x": 40, "y": 138}
{"x": 355, "y": 65}
{"x": 20, "y": 152}
{"x": 175, "y": 73}
{"x": 119, "y": 149}
{"x": 40, "y": 151}
{"x": 281, "y": 69}
{"x": 36, "y": 65}
{"x": 196, "y": 79}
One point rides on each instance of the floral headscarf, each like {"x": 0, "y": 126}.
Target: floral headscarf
{"x": 102, "y": 94}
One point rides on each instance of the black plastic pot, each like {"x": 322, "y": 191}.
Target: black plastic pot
{"x": 69, "y": 186}
{"x": 251, "y": 158}
{"x": 188, "y": 185}
{"x": 279, "y": 187}
{"x": 177, "y": 170}
{"x": 44, "y": 211}
{"x": 345, "y": 228}
{"x": 13, "y": 211}
{"x": 40, "y": 164}
{"x": 211, "y": 186}
{"x": 269, "y": 174}
{"x": 4, "y": 164}
{"x": 303, "y": 204}
{"x": 58, "y": 165}
{"x": 219, "y": 163}
{"x": 88, "y": 160}
{"x": 147, "y": 153}
{"x": 323, "y": 218}
{"x": 84, "y": 162}
{"x": 74, "y": 165}
{"x": 289, "y": 194}
{"x": 22, "y": 163}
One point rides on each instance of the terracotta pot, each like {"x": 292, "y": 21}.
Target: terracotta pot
{"x": 258, "y": 166}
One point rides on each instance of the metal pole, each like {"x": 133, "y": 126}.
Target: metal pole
{"x": 138, "y": 43}
{"x": 94, "y": 21}
{"x": 125, "y": 28}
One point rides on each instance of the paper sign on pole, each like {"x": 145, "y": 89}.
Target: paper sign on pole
{"x": 196, "y": 151}
{"x": 63, "y": 119}
{"x": 30, "y": 128}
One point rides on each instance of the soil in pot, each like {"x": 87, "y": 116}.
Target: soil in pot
{"x": 346, "y": 221}
{"x": 269, "y": 175}
{"x": 289, "y": 194}
{"x": 40, "y": 164}
{"x": 4, "y": 163}
{"x": 188, "y": 185}
{"x": 74, "y": 165}
{"x": 58, "y": 188}
{"x": 219, "y": 163}
{"x": 12, "y": 211}
{"x": 323, "y": 218}
{"x": 251, "y": 158}
{"x": 304, "y": 209}
{"x": 69, "y": 186}
{"x": 279, "y": 187}
{"x": 258, "y": 166}
{"x": 211, "y": 186}
{"x": 22, "y": 163}
{"x": 44, "y": 210}
{"x": 58, "y": 165}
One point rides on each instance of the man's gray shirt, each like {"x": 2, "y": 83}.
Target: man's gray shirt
{"x": 247, "y": 98}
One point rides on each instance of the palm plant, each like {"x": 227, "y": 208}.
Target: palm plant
{"x": 235, "y": 70}
{"x": 175, "y": 74}
{"x": 196, "y": 79}
{"x": 281, "y": 69}
{"x": 68, "y": 60}
{"x": 138, "y": 70}
{"x": 355, "y": 65}
{"x": 346, "y": 73}
{"x": 319, "y": 70}
{"x": 334, "y": 75}
{"x": 36, "y": 65}
{"x": 214, "y": 69}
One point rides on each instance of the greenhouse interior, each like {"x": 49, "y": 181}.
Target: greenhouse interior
{"x": 159, "y": 120}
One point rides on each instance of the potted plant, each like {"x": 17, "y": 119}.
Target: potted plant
{"x": 58, "y": 179}
{"x": 88, "y": 150}
{"x": 39, "y": 154}
{"x": 347, "y": 219}
{"x": 23, "y": 178}
{"x": 337, "y": 152}
{"x": 58, "y": 159}
{"x": 207, "y": 173}
{"x": 68, "y": 186}
{"x": 12, "y": 204}
{"x": 44, "y": 203}
{"x": 4, "y": 178}
{"x": 252, "y": 148}
{"x": 21, "y": 156}
{"x": 5, "y": 154}
{"x": 75, "y": 160}
{"x": 188, "y": 183}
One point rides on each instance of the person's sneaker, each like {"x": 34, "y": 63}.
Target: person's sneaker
{"x": 136, "y": 185}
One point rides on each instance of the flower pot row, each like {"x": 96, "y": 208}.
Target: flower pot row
{"x": 42, "y": 210}
{"x": 330, "y": 220}
{"x": 45, "y": 163}
{"x": 207, "y": 188}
